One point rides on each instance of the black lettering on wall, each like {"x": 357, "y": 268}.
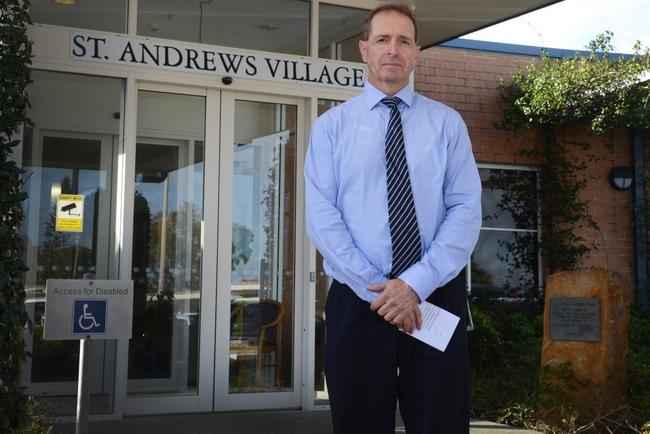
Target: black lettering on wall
{"x": 208, "y": 61}
{"x": 168, "y": 56}
{"x": 251, "y": 69}
{"x": 272, "y": 69}
{"x": 231, "y": 62}
{"x": 286, "y": 69}
{"x": 308, "y": 76}
{"x": 96, "y": 42}
{"x": 295, "y": 72}
{"x": 128, "y": 49}
{"x": 345, "y": 78}
{"x": 77, "y": 41}
{"x": 357, "y": 77}
{"x": 191, "y": 58}
{"x": 155, "y": 58}
{"x": 325, "y": 74}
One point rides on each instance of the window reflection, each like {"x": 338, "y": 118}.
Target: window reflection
{"x": 266, "y": 25}
{"x": 505, "y": 261}
{"x": 505, "y": 264}
{"x": 166, "y": 271}
{"x": 69, "y": 149}
{"x": 262, "y": 284}
{"x": 104, "y": 15}
{"x": 339, "y": 32}
{"x": 509, "y": 198}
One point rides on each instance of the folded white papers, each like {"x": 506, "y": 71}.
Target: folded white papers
{"x": 438, "y": 326}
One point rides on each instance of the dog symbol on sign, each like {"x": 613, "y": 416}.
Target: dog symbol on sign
{"x": 89, "y": 317}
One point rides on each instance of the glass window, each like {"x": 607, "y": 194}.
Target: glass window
{"x": 339, "y": 32}
{"x": 505, "y": 262}
{"x": 167, "y": 216}
{"x": 107, "y": 15}
{"x": 266, "y": 25}
{"x": 263, "y": 239}
{"x": 70, "y": 149}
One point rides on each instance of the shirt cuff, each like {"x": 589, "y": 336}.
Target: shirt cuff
{"x": 423, "y": 280}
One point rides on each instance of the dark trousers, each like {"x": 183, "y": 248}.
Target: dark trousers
{"x": 369, "y": 365}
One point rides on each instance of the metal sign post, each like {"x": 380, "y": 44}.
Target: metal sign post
{"x": 83, "y": 392}
{"x": 85, "y": 309}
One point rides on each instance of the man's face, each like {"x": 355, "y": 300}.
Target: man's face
{"x": 390, "y": 51}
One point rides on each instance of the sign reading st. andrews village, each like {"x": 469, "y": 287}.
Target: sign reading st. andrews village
{"x": 219, "y": 61}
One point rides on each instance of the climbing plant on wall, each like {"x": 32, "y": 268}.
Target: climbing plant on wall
{"x": 601, "y": 90}
{"x": 15, "y": 54}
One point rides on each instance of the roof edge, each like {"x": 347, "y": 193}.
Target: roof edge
{"x": 517, "y": 49}
{"x": 499, "y": 21}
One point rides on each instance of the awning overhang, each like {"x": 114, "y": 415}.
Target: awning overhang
{"x": 443, "y": 20}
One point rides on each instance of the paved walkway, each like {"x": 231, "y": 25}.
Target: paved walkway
{"x": 260, "y": 422}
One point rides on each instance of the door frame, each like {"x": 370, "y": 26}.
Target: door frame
{"x": 223, "y": 400}
{"x": 104, "y": 260}
{"x": 201, "y": 400}
{"x": 214, "y": 334}
{"x": 212, "y": 388}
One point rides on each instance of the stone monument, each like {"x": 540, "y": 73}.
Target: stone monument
{"x": 586, "y": 320}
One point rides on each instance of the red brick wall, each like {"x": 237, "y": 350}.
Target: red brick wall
{"x": 468, "y": 81}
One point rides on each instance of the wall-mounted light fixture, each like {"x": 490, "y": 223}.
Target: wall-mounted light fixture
{"x": 621, "y": 177}
{"x": 65, "y": 2}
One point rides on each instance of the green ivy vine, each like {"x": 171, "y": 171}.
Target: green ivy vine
{"x": 15, "y": 55}
{"x": 601, "y": 90}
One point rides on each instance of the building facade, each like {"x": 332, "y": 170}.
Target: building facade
{"x": 466, "y": 75}
{"x": 184, "y": 128}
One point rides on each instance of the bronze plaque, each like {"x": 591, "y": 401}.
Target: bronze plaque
{"x": 575, "y": 319}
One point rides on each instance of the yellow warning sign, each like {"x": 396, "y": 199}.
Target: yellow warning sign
{"x": 69, "y": 213}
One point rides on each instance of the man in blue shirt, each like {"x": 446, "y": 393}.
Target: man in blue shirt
{"x": 380, "y": 171}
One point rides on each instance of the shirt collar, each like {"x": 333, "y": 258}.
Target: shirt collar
{"x": 372, "y": 96}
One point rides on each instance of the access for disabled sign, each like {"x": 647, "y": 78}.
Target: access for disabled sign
{"x": 97, "y": 309}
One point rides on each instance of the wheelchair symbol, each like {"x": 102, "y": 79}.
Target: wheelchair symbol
{"x": 85, "y": 318}
{"x": 89, "y": 316}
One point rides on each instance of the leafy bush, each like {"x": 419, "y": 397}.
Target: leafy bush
{"x": 600, "y": 90}
{"x": 37, "y": 424}
{"x": 505, "y": 354}
{"x": 509, "y": 385}
{"x": 15, "y": 54}
{"x": 639, "y": 365}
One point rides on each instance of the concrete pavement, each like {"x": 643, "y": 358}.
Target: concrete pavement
{"x": 258, "y": 422}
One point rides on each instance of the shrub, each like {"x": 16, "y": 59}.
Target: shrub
{"x": 509, "y": 385}
{"x": 505, "y": 351}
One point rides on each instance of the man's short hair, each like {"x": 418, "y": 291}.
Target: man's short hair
{"x": 389, "y": 7}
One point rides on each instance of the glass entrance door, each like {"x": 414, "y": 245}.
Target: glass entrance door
{"x": 257, "y": 356}
{"x": 69, "y": 149}
{"x": 169, "y": 366}
{"x": 210, "y": 231}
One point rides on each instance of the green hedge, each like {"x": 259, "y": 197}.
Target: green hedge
{"x": 505, "y": 372}
{"x": 505, "y": 353}
{"x": 639, "y": 364}
{"x": 15, "y": 54}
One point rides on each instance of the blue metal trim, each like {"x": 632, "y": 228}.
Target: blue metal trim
{"x": 640, "y": 232}
{"x": 521, "y": 50}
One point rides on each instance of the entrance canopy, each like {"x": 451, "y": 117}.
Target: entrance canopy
{"x": 442, "y": 20}
{"x": 275, "y": 25}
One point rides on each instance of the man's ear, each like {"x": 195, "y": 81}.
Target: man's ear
{"x": 362, "y": 49}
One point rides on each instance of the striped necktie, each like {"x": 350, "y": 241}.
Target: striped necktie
{"x": 404, "y": 231}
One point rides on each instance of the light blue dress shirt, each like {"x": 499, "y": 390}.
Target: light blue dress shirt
{"x": 346, "y": 196}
